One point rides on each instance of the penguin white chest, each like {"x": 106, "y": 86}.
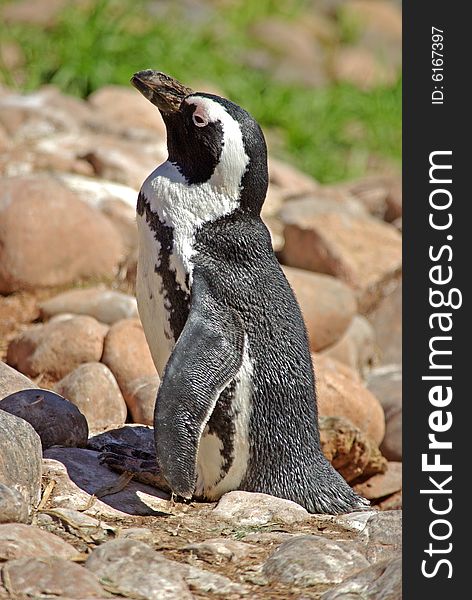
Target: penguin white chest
{"x": 162, "y": 300}
{"x": 164, "y": 271}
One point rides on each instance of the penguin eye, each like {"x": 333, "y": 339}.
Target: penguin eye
{"x": 199, "y": 121}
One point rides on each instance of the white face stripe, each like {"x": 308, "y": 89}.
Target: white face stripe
{"x": 234, "y": 160}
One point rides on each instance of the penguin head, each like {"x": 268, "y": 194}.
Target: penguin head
{"x": 210, "y": 139}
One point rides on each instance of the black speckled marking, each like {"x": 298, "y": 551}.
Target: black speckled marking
{"x": 221, "y": 424}
{"x": 176, "y": 299}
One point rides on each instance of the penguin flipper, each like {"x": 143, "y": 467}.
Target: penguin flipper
{"x": 206, "y": 357}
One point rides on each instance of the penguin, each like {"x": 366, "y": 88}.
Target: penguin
{"x": 236, "y": 408}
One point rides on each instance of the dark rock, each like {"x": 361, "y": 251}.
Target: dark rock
{"x": 57, "y": 421}
{"x": 84, "y": 476}
{"x": 136, "y": 436}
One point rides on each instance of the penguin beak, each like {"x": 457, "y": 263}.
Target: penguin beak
{"x": 161, "y": 90}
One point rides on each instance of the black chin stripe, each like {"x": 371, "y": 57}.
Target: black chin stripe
{"x": 176, "y": 299}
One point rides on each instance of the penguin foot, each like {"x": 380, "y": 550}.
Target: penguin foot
{"x": 127, "y": 459}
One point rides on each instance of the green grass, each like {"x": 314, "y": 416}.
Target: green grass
{"x": 330, "y": 132}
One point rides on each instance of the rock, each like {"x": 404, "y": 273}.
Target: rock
{"x": 383, "y": 535}
{"x": 386, "y": 320}
{"x": 398, "y": 223}
{"x": 289, "y": 179}
{"x": 142, "y": 534}
{"x": 386, "y": 384}
{"x": 133, "y": 565}
{"x": 20, "y": 458}
{"x": 327, "y": 304}
{"x": 321, "y": 201}
{"x": 382, "y": 484}
{"x": 343, "y": 245}
{"x": 12, "y": 380}
{"x": 142, "y": 394}
{"x": 220, "y": 550}
{"x": 57, "y": 421}
{"x": 58, "y": 347}
{"x": 312, "y": 560}
{"x": 38, "y": 577}
{"x": 275, "y": 227}
{"x": 127, "y": 354}
{"x": 83, "y": 476}
{"x": 350, "y": 451}
{"x": 334, "y": 365}
{"x": 13, "y": 508}
{"x": 100, "y": 193}
{"x": 126, "y": 109}
{"x": 357, "y": 348}
{"x": 92, "y": 387}
{"x": 134, "y": 569}
{"x": 123, "y": 217}
{"x": 340, "y": 393}
{"x": 205, "y": 582}
{"x": 273, "y": 202}
{"x": 293, "y": 54}
{"x": 80, "y": 525}
{"x": 393, "y": 502}
{"x": 43, "y": 13}
{"x": 121, "y": 159}
{"x": 267, "y": 538}
{"x": 355, "y": 522}
{"x": 360, "y": 67}
{"x": 24, "y": 541}
{"x": 380, "y": 194}
{"x": 378, "y": 27}
{"x": 73, "y": 242}
{"x": 15, "y": 310}
{"x": 249, "y": 509}
{"x": 382, "y": 581}
{"x": 136, "y": 436}
{"x": 107, "y": 306}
